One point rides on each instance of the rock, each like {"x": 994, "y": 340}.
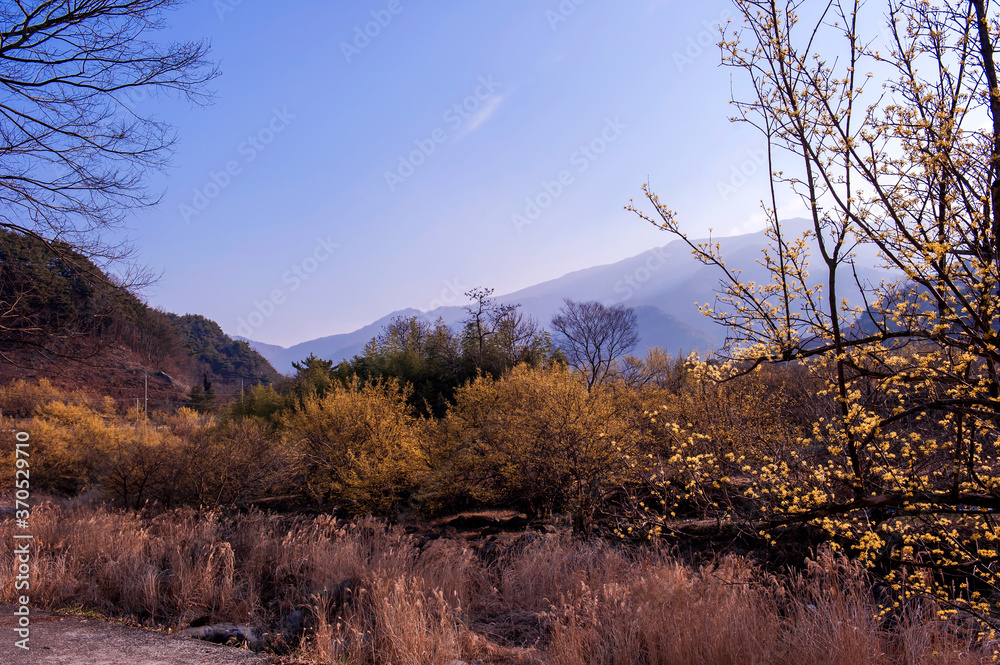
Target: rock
{"x": 198, "y": 633}
{"x": 471, "y": 522}
{"x": 292, "y": 625}
{"x": 347, "y": 591}
{"x": 288, "y": 637}
{"x": 222, "y": 633}
{"x": 516, "y": 523}
{"x": 423, "y": 540}
{"x": 164, "y": 377}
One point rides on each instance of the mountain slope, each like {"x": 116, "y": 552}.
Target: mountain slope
{"x": 665, "y": 285}
{"x": 63, "y": 319}
{"x": 221, "y": 357}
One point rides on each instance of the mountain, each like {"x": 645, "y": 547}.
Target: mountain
{"x": 222, "y": 358}
{"x": 63, "y": 319}
{"x": 338, "y": 347}
{"x": 665, "y": 285}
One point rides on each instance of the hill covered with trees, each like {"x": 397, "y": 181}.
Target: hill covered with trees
{"x": 64, "y": 319}
{"x": 222, "y": 357}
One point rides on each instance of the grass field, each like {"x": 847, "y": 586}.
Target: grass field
{"x": 372, "y": 593}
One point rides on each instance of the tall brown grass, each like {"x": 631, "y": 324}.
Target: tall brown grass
{"x": 515, "y": 599}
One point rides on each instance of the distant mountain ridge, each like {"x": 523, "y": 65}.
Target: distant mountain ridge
{"x": 664, "y": 284}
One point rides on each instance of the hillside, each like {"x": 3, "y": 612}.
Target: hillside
{"x": 64, "y": 319}
{"x": 224, "y": 359}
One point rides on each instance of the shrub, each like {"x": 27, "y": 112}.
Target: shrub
{"x": 536, "y": 437}
{"x": 359, "y": 445}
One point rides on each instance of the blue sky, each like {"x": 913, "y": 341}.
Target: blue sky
{"x": 364, "y": 157}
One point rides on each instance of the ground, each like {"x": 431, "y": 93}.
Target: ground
{"x": 60, "y": 639}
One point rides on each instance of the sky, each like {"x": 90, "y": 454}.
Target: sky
{"x": 367, "y": 156}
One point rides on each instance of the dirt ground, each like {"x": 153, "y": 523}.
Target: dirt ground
{"x": 57, "y": 639}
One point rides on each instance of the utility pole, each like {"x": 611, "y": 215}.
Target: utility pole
{"x": 145, "y": 396}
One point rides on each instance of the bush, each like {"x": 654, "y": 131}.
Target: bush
{"x": 20, "y": 398}
{"x": 231, "y": 462}
{"x": 359, "y": 445}
{"x": 537, "y": 438}
{"x": 72, "y": 446}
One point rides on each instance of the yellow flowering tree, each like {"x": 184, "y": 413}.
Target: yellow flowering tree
{"x": 885, "y": 119}
{"x": 702, "y": 438}
{"x": 539, "y": 439}
{"x": 359, "y": 445}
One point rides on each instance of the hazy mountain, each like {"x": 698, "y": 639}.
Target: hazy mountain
{"x": 664, "y": 284}
{"x": 338, "y": 347}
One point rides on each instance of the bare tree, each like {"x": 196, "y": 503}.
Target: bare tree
{"x": 517, "y": 337}
{"x": 594, "y": 336}
{"x": 658, "y": 369}
{"x": 477, "y": 326}
{"x": 498, "y": 336}
{"x": 75, "y": 151}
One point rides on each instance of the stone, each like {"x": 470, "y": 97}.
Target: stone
{"x": 292, "y": 625}
{"x": 347, "y": 591}
{"x": 222, "y": 633}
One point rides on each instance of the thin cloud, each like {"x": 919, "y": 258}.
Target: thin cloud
{"x": 758, "y": 221}
{"x": 481, "y": 117}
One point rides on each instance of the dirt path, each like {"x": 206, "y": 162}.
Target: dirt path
{"x": 67, "y": 640}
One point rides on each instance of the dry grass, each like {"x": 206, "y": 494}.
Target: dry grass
{"x": 521, "y": 599}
